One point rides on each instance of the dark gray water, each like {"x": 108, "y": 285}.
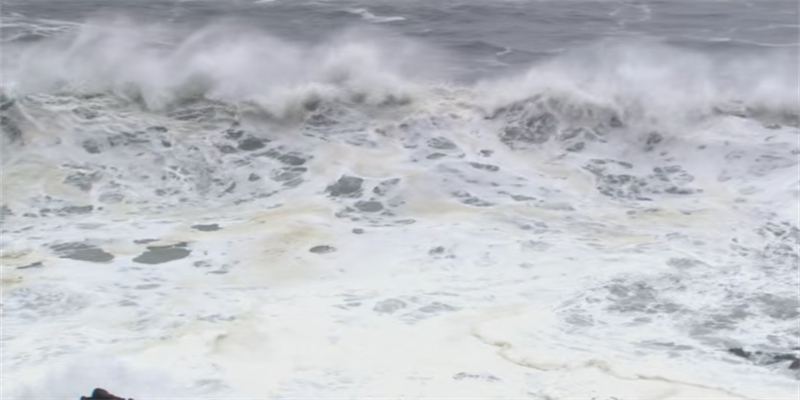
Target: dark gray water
{"x": 486, "y": 35}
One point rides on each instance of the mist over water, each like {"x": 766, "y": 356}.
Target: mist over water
{"x": 334, "y": 199}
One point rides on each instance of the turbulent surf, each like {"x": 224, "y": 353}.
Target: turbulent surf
{"x": 461, "y": 199}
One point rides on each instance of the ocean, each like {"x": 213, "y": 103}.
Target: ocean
{"x": 238, "y": 199}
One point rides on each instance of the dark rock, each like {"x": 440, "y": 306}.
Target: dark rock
{"x": 346, "y": 186}
{"x": 369, "y": 206}
{"x": 252, "y": 143}
{"x": 323, "y": 249}
{"x": 102, "y": 394}
{"x": 162, "y": 254}
{"x": 206, "y": 228}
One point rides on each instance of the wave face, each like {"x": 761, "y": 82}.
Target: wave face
{"x": 556, "y": 199}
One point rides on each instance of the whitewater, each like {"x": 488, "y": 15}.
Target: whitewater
{"x": 351, "y": 199}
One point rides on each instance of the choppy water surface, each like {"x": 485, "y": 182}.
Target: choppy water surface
{"x": 407, "y": 199}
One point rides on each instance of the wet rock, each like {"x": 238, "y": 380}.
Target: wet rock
{"x": 389, "y": 306}
{"x": 369, "y": 206}
{"x": 252, "y": 143}
{"x": 102, "y": 394}
{"x": 206, "y": 228}
{"x": 163, "y": 254}
{"x": 485, "y": 167}
{"x": 323, "y": 249}
{"x": 82, "y": 252}
{"x": 346, "y": 186}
